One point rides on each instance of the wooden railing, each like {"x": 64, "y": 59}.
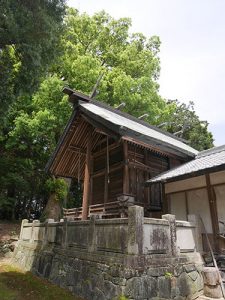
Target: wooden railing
{"x": 72, "y": 213}
{"x": 115, "y": 209}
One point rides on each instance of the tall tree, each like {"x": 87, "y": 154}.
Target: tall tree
{"x": 29, "y": 43}
{"x": 90, "y": 47}
{"x": 29, "y": 35}
{"x": 183, "y": 122}
{"x": 129, "y": 62}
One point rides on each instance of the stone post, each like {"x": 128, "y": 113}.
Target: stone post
{"x": 45, "y": 238}
{"x": 24, "y": 221}
{"x": 198, "y": 232}
{"x": 64, "y": 234}
{"x": 135, "y": 230}
{"x": 92, "y": 234}
{"x": 173, "y": 233}
{"x": 33, "y": 230}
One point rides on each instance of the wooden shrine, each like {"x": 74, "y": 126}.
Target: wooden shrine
{"x": 113, "y": 154}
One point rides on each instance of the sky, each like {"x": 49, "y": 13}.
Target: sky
{"x": 192, "y": 53}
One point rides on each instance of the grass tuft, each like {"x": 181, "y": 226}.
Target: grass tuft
{"x": 16, "y": 284}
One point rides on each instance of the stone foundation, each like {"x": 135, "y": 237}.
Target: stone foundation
{"x": 99, "y": 278}
{"x": 131, "y": 258}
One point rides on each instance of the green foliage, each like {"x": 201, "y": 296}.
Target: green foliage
{"x": 39, "y": 54}
{"x": 74, "y": 197}
{"x": 168, "y": 275}
{"x": 58, "y": 186}
{"x": 185, "y": 123}
{"x": 102, "y": 45}
{"x": 29, "y": 36}
{"x": 123, "y": 298}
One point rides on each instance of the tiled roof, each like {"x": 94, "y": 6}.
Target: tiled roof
{"x": 207, "y": 160}
{"x": 124, "y": 125}
{"x": 127, "y": 124}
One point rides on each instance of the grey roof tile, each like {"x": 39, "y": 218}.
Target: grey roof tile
{"x": 205, "y": 160}
{"x": 133, "y": 124}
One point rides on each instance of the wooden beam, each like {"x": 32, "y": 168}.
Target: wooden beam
{"x": 126, "y": 188}
{"x": 86, "y": 191}
{"x": 149, "y": 147}
{"x": 103, "y": 151}
{"x": 98, "y": 126}
{"x": 213, "y": 210}
{"x": 77, "y": 149}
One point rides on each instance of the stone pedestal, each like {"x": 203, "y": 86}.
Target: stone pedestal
{"x": 212, "y": 286}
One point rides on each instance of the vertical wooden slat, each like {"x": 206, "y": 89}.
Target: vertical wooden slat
{"x": 126, "y": 189}
{"x": 86, "y": 191}
{"x": 106, "y": 188}
{"x": 213, "y": 210}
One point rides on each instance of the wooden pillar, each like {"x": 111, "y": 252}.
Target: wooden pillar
{"x": 126, "y": 188}
{"x": 106, "y": 182}
{"x": 146, "y": 177}
{"x": 86, "y": 191}
{"x": 165, "y": 200}
{"x": 213, "y": 209}
{"x": 186, "y": 203}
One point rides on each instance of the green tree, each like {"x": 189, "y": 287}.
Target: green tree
{"x": 29, "y": 43}
{"x": 90, "y": 47}
{"x": 185, "y": 123}
{"x": 29, "y": 35}
{"x": 129, "y": 62}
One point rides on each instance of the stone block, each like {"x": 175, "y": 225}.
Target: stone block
{"x": 213, "y": 291}
{"x": 98, "y": 294}
{"x": 111, "y": 290}
{"x": 183, "y": 282}
{"x": 210, "y": 276}
{"x": 140, "y": 288}
{"x": 189, "y": 268}
{"x": 193, "y": 275}
{"x": 164, "y": 287}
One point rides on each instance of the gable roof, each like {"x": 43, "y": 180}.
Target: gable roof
{"x": 206, "y": 161}
{"x": 125, "y": 124}
{"x": 122, "y": 124}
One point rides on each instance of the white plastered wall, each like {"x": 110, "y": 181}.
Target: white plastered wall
{"x": 198, "y": 203}
{"x": 178, "y": 206}
{"x": 220, "y": 201}
{"x": 197, "y": 198}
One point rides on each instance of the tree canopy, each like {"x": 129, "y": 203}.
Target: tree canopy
{"x": 45, "y": 51}
{"x": 29, "y": 40}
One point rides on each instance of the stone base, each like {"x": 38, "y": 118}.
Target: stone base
{"x": 96, "y": 277}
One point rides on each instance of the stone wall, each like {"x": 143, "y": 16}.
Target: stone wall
{"x": 136, "y": 258}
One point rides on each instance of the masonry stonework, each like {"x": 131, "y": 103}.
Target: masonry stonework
{"x": 108, "y": 259}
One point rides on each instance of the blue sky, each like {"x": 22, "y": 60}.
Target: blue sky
{"x": 192, "y": 53}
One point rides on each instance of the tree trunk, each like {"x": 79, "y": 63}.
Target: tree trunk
{"x": 53, "y": 208}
